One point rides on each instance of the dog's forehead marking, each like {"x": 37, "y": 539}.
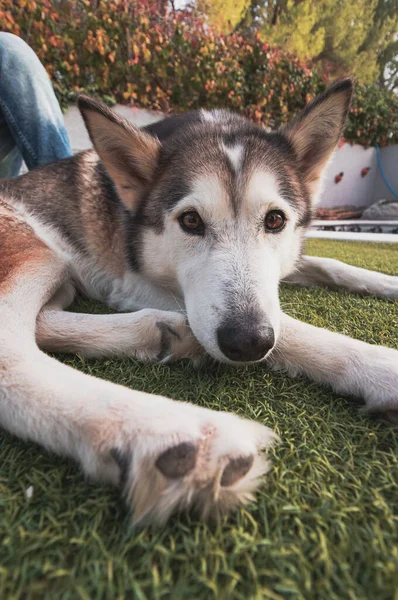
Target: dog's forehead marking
{"x": 212, "y": 198}
{"x": 231, "y": 160}
{"x": 234, "y": 154}
{"x": 212, "y": 116}
{"x": 210, "y": 195}
{"x": 263, "y": 184}
{"x": 263, "y": 188}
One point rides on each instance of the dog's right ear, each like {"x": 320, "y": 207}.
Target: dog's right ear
{"x": 128, "y": 154}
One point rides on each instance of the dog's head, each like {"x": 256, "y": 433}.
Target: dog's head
{"x": 218, "y": 208}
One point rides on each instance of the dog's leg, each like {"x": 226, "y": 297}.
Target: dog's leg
{"x": 63, "y": 297}
{"x": 349, "y": 366}
{"x": 167, "y": 455}
{"x": 315, "y": 271}
{"x": 148, "y": 335}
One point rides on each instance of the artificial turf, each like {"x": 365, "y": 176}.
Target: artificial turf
{"x": 325, "y": 525}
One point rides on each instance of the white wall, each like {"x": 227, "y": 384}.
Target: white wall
{"x": 389, "y": 161}
{"x": 354, "y": 189}
{"x": 77, "y": 132}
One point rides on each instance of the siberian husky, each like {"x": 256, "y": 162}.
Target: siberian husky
{"x": 187, "y": 227}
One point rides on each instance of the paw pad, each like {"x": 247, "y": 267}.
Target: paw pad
{"x": 178, "y": 460}
{"x": 236, "y": 469}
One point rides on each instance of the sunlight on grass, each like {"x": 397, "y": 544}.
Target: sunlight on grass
{"x": 323, "y": 527}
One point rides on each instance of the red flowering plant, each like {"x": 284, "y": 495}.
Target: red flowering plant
{"x": 130, "y": 51}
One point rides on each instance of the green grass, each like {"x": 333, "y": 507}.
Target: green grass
{"x": 325, "y": 525}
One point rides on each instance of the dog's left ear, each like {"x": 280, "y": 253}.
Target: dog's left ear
{"x": 316, "y": 131}
{"x": 128, "y": 153}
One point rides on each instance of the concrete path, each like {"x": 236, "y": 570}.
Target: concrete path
{"x": 78, "y": 134}
{"x": 354, "y": 236}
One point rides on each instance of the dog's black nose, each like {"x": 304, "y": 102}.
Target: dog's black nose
{"x": 245, "y": 344}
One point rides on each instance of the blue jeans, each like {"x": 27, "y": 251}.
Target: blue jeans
{"x": 31, "y": 122}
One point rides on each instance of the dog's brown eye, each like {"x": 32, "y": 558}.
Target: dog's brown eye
{"x": 275, "y": 221}
{"x": 191, "y": 222}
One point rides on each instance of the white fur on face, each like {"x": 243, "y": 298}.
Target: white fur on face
{"x": 263, "y": 195}
{"x": 235, "y": 268}
{"x": 235, "y": 155}
{"x": 212, "y": 116}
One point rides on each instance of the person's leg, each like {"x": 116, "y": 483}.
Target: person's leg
{"x": 10, "y": 156}
{"x": 30, "y": 114}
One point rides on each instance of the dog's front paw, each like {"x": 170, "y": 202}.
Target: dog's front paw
{"x": 166, "y": 337}
{"x": 177, "y": 340}
{"x": 391, "y": 287}
{"x": 380, "y": 382}
{"x": 190, "y": 457}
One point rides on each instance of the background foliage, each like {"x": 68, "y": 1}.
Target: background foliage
{"x": 142, "y": 52}
{"x": 359, "y": 36}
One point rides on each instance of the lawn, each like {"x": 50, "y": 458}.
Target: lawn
{"x": 325, "y": 525}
